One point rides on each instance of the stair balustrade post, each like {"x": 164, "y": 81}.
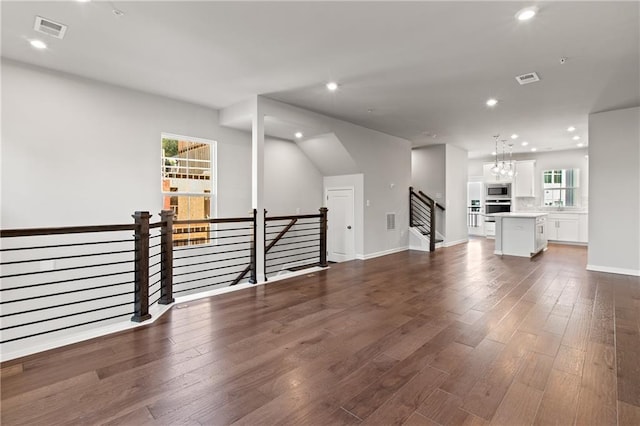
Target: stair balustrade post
{"x": 432, "y": 232}
{"x": 253, "y": 277}
{"x": 323, "y": 237}
{"x": 410, "y": 207}
{"x": 141, "y": 275}
{"x": 166, "y": 258}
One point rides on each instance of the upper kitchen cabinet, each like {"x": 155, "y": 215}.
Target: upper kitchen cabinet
{"x": 524, "y": 180}
{"x": 489, "y": 177}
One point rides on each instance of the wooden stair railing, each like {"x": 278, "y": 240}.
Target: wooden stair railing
{"x": 422, "y": 215}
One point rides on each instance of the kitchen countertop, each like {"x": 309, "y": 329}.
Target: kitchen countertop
{"x": 520, "y": 214}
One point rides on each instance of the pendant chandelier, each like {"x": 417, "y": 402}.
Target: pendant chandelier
{"x": 503, "y": 168}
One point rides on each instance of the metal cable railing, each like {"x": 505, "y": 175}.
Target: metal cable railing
{"x": 295, "y": 243}
{"x": 57, "y": 279}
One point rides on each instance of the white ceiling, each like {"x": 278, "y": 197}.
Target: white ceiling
{"x": 417, "y": 70}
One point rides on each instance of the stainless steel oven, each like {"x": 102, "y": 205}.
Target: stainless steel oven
{"x": 492, "y": 206}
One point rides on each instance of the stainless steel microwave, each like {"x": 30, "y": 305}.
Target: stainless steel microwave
{"x": 497, "y": 190}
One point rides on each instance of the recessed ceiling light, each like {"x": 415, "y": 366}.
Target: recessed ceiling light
{"x": 332, "y": 86}
{"x": 571, "y": 129}
{"x": 38, "y": 44}
{"x": 576, "y": 138}
{"x": 494, "y": 153}
{"x": 580, "y": 145}
{"x": 492, "y": 102}
{"x": 534, "y": 149}
{"x": 83, "y": 1}
{"x": 525, "y": 143}
{"x": 118, "y": 12}
{"x": 586, "y": 156}
{"x": 526, "y": 13}
{"x": 514, "y": 136}
{"x": 298, "y": 135}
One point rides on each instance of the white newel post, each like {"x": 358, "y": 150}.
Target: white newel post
{"x": 257, "y": 181}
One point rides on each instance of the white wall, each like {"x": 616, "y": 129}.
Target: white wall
{"x": 385, "y": 162}
{"x": 80, "y": 152}
{"x": 428, "y": 171}
{"x": 456, "y": 195}
{"x": 428, "y": 174}
{"x": 357, "y": 182}
{"x": 614, "y": 182}
{"x": 292, "y": 183}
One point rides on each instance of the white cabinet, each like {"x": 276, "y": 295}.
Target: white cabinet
{"x": 490, "y": 177}
{"x": 524, "y": 185}
{"x": 564, "y": 227}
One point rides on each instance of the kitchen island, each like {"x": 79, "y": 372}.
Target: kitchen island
{"x": 520, "y": 234}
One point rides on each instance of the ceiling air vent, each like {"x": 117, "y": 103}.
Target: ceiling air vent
{"x": 528, "y": 78}
{"x": 391, "y": 221}
{"x": 47, "y": 26}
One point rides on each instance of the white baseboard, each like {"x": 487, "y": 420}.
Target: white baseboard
{"x": 610, "y": 270}
{"x": 382, "y": 253}
{"x": 455, "y": 243}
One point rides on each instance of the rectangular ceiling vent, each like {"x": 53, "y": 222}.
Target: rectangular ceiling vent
{"x": 47, "y": 26}
{"x": 391, "y": 221}
{"x": 528, "y": 78}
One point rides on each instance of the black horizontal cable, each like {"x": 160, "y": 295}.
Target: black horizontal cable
{"x": 204, "y": 254}
{"x": 315, "y": 228}
{"x": 278, "y": 244}
{"x": 317, "y": 245}
{"x": 64, "y": 328}
{"x": 203, "y": 286}
{"x": 155, "y": 236}
{"x": 67, "y": 245}
{"x": 299, "y": 236}
{"x": 41, "y": 296}
{"x": 292, "y": 255}
{"x": 65, "y": 316}
{"x": 155, "y": 254}
{"x": 155, "y": 301}
{"x": 67, "y": 280}
{"x": 295, "y": 226}
{"x": 296, "y": 261}
{"x": 212, "y": 269}
{"x": 71, "y": 268}
{"x": 155, "y": 292}
{"x": 156, "y": 273}
{"x": 155, "y": 245}
{"x": 155, "y": 264}
{"x": 67, "y": 304}
{"x": 211, "y": 261}
{"x": 202, "y": 246}
{"x": 206, "y": 278}
{"x": 248, "y": 228}
{"x": 67, "y": 257}
{"x": 420, "y": 208}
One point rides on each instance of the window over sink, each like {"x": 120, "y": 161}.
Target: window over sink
{"x": 560, "y": 187}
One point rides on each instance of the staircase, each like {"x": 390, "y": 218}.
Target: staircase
{"x": 422, "y": 221}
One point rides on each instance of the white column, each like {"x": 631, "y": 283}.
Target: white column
{"x": 257, "y": 182}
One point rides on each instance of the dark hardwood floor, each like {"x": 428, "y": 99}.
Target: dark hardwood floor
{"x": 455, "y": 337}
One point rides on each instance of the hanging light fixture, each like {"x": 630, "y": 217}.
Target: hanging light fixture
{"x": 502, "y": 167}
{"x": 495, "y": 170}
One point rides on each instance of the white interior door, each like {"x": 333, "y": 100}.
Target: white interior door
{"x": 340, "y": 225}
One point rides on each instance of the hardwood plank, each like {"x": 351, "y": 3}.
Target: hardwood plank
{"x": 391, "y": 340}
{"x": 535, "y": 370}
{"x": 598, "y": 397}
{"x": 518, "y": 407}
{"x": 443, "y": 408}
{"x": 408, "y": 398}
{"x": 628, "y": 415}
{"x": 485, "y": 395}
{"x": 570, "y": 360}
{"x": 419, "y": 420}
{"x": 560, "y": 400}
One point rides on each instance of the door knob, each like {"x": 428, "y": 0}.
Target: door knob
{"x": 348, "y": 226}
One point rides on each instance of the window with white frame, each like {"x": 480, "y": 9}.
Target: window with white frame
{"x": 188, "y": 185}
